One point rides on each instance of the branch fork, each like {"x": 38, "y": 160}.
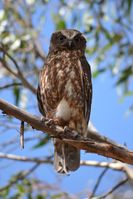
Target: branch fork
{"x": 94, "y": 143}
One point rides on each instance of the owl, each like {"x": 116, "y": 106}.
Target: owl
{"x": 65, "y": 92}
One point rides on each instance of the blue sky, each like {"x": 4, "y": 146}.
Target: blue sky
{"x": 108, "y": 115}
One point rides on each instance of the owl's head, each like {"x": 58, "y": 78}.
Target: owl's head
{"x": 68, "y": 39}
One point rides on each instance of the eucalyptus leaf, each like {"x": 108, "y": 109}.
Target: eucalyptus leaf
{"x": 16, "y": 92}
{"x": 42, "y": 142}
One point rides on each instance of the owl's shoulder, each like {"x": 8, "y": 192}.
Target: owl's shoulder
{"x": 59, "y": 54}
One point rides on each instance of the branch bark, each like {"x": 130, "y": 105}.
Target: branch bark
{"x": 25, "y": 159}
{"x": 17, "y": 74}
{"x": 117, "y": 166}
{"x": 104, "y": 148}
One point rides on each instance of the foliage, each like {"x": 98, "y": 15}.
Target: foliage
{"x": 24, "y": 34}
{"x": 109, "y": 34}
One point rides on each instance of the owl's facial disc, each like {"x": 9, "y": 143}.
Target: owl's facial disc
{"x": 65, "y": 42}
{"x": 68, "y": 40}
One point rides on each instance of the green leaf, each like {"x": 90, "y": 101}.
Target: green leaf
{"x": 106, "y": 33}
{"x": 121, "y": 80}
{"x": 59, "y": 22}
{"x": 125, "y": 74}
{"x": 57, "y": 196}
{"x": 16, "y": 196}
{"x": 105, "y": 48}
{"x": 60, "y": 25}
{"x": 4, "y": 194}
{"x": 27, "y": 182}
{"x": 29, "y": 196}
{"x": 16, "y": 92}
{"x": 125, "y": 94}
{"x": 98, "y": 72}
{"x": 128, "y": 93}
{"x": 16, "y": 44}
{"x": 40, "y": 196}
{"x": 20, "y": 188}
{"x": 42, "y": 142}
{"x": 129, "y": 2}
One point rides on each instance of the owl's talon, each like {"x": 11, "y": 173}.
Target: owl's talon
{"x": 50, "y": 122}
{"x": 75, "y": 134}
{"x": 67, "y": 130}
{"x": 44, "y": 119}
{"x": 71, "y": 131}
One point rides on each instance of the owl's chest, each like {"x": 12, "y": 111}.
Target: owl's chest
{"x": 64, "y": 85}
{"x": 66, "y": 75}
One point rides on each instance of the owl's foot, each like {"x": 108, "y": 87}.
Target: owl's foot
{"x": 48, "y": 122}
{"x": 67, "y": 129}
{"x": 70, "y": 131}
{"x": 44, "y": 119}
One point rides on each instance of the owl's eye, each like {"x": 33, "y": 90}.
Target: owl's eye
{"x": 77, "y": 39}
{"x": 61, "y": 38}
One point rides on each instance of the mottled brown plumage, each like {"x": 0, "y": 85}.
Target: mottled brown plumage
{"x": 65, "y": 92}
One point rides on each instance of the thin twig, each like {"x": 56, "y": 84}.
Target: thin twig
{"x": 10, "y": 85}
{"x": 22, "y": 135}
{"x": 71, "y": 137}
{"x": 4, "y": 65}
{"x": 20, "y": 176}
{"x": 114, "y": 188}
{"x": 118, "y": 166}
{"x": 38, "y": 49}
{"x": 15, "y": 141}
{"x": 26, "y": 159}
{"x": 19, "y": 74}
{"x": 98, "y": 182}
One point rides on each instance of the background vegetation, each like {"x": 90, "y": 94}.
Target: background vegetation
{"x": 25, "y": 29}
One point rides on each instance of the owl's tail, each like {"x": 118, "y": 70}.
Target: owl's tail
{"x": 66, "y": 157}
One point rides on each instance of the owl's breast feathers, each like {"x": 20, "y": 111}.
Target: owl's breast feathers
{"x": 66, "y": 89}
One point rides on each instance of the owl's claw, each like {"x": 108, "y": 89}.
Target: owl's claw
{"x": 70, "y": 131}
{"x": 44, "y": 119}
{"x": 48, "y": 122}
{"x": 67, "y": 129}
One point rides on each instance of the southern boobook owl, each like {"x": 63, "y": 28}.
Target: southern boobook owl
{"x": 65, "y": 92}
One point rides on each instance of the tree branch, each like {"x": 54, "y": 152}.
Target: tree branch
{"x": 26, "y": 159}
{"x": 104, "y": 148}
{"x": 20, "y": 176}
{"x": 114, "y": 188}
{"x": 10, "y": 85}
{"x": 117, "y": 166}
{"x": 98, "y": 182}
{"x": 17, "y": 74}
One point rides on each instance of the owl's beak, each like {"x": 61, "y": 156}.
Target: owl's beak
{"x": 70, "y": 43}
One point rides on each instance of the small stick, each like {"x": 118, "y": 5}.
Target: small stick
{"x": 22, "y": 135}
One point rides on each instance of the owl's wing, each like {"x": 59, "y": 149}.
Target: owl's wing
{"x": 40, "y": 103}
{"x": 87, "y": 87}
